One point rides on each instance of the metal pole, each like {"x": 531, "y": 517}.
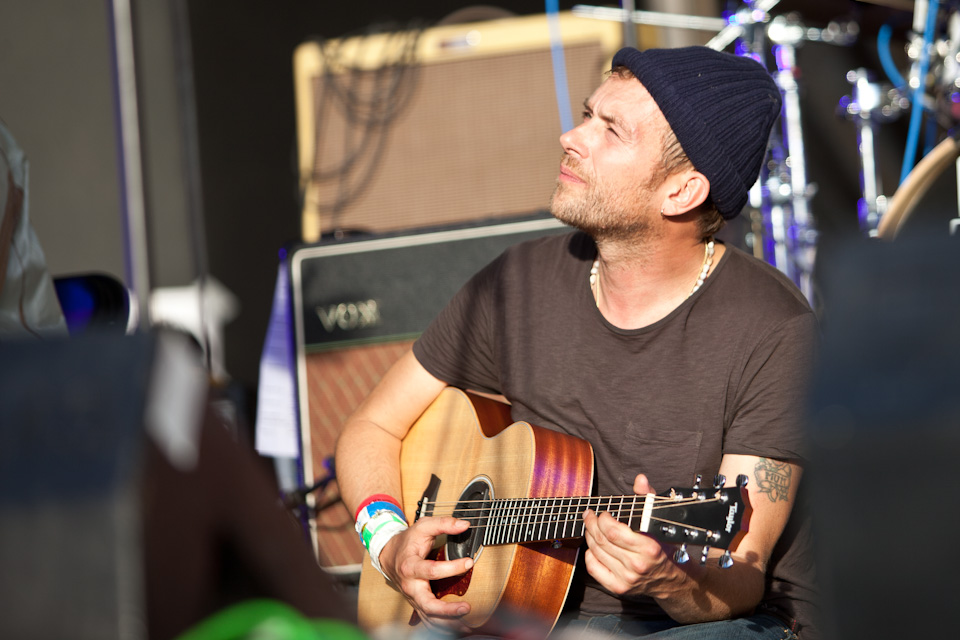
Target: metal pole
{"x": 133, "y": 201}
{"x": 629, "y": 30}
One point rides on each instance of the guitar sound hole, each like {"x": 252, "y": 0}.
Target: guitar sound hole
{"x": 474, "y": 506}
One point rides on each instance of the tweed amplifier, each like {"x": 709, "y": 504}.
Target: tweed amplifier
{"x": 454, "y": 123}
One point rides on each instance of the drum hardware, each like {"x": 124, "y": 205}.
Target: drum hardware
{"x": 784, "y": 233}
{"x": 870, "y": 104}
{"x": 931, "y": 92}
{"x": 917, "y": 184}
{"x": 741, "y": 22}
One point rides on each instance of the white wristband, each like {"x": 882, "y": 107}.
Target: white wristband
{"x": 383, "y": 534}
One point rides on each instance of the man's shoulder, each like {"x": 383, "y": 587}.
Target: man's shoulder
{"x": 551, "y": 250}
{"x": 560, "y": 240}
{"x": 754, "y": 299}
{"x": 752, "y": 282}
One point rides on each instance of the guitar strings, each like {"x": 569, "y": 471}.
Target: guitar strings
{"x": 576, "y": 522}
{"x": 638, "y": 498}
{"x": 573, "y": 523}
{"x": 510, "y": 509}
{"x": 552, "y": 503}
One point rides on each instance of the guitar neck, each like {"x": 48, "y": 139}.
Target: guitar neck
{"x": 513, "y": 521}
{"x": 709, "y": 517}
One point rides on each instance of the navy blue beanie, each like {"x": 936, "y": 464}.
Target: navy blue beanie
{"x": 720, "y": 106}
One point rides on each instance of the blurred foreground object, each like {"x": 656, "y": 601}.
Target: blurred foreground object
{"x": 28, "y": 301}
{"x": 127, "y": 509}
{"x": 884, "y": 428}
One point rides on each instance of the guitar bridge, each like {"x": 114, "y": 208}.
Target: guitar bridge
{"x": 427, "y": 501}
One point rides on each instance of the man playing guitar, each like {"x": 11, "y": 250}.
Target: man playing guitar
{"x": 671, "y": 353}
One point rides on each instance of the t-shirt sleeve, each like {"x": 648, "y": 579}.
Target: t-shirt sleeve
{"x": 459, "y": 346}
{"x": 770, "y": 399}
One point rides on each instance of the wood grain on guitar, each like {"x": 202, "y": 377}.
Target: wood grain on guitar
{"x": 524, "y": 489}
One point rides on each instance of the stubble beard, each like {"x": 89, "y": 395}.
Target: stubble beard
{"x": 606, "y": 217}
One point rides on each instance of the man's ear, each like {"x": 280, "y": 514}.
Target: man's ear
{"x": 687, "y": 191}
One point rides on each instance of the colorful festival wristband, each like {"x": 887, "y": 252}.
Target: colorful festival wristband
{"x": 379, "y": 518}
{"x": 377, "y": 497}
{"x": 386, "y": 527}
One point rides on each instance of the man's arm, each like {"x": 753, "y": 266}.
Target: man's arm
{"x": 368, "y": 450}
{"x": 368, "y": 463}
{"x": 624, "y": 561}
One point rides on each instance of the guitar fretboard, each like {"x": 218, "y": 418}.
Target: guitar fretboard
{"x": 513, "y": 521}
{"x": 707, "y": 517}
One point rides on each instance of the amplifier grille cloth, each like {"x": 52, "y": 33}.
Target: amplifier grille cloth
{"x": 338, "y": 381}
{"x": 479, "y": 138}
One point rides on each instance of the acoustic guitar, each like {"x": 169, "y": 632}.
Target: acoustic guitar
{"x": 524, "y": 489}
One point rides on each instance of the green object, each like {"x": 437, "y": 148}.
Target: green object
{"x": 269, "y": 620}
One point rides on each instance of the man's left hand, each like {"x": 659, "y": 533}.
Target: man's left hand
{"x": 624, "y": 561}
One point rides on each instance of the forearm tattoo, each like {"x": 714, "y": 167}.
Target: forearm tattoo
{"x": 773, "y": 479}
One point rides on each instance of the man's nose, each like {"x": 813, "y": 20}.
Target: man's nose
{"x": 573, "y": 141}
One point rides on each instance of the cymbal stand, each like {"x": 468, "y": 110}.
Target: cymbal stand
{"x": 794, "y": 233}
{"x": 788, "y": 236}
{"x": 870, "y": 104}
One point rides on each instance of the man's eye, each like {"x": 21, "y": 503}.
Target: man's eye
{"x": 587, "y": 115}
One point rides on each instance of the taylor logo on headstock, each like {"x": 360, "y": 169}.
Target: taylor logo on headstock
{"x": 732, "y": 516}
{"x": 349, "y": 316}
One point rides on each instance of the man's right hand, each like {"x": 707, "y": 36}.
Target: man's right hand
{"x": 404, "y": 560}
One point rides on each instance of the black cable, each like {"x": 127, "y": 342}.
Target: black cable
{"x": 369, "y": 101}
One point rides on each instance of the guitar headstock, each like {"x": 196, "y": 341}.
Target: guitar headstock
{"x": 708, "y": 517}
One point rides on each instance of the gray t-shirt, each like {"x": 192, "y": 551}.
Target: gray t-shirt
{"x": 725, "y": 372}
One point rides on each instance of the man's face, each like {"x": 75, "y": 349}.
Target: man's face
{"x": 610, "y": 171}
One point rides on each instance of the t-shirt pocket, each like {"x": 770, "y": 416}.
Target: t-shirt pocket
{"x": 668, "y": 457}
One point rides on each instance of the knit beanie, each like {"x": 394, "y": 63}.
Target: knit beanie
{"x": 720, "y": 106}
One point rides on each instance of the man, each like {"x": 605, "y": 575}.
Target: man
{"x": 671, "y": 353}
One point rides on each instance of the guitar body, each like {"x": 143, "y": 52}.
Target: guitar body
{"x": 462, "y": 437}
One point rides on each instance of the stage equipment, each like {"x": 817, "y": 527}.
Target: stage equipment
{"x": 784, "y": 233}
{"x": 358, "y": 305}
{"x": 930, "y": 90}
{"x": 937, "y": 165}
{"x": 437, "y": 126}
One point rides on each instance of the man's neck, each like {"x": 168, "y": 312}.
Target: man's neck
{"x": 639, "y": 284}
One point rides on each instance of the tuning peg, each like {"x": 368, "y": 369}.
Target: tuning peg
{"x": 703, "y": 556}
{"x": 742, "y": 480}
{"x": 697, "y": 480}
{"x": 680, "y": 556}
{"x": 726, "y": 561}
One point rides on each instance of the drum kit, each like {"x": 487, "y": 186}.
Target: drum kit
{"x": 927, "y": 94}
